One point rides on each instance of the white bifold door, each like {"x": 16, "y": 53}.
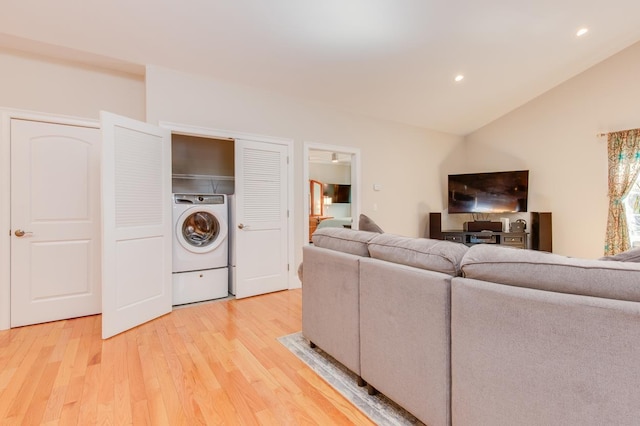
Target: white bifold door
{"x": 261, "y": 218}
{"x": 91, "y": 221}
{"x": 78, "y": 247}
{"x": 137, "y": 223}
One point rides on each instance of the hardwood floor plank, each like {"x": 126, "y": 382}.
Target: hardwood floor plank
{"x": 106, "y": 388}
{"x": 212, "y": 363}
{"x": 122, "y": 391}
{"x": 155, "y": 403}
{"x": 71, "y": 406}
{"x": 88, "y": 411}
{"x": 25, "y": 381}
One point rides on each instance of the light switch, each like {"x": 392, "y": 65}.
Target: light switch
{"x": 377, "y": 187}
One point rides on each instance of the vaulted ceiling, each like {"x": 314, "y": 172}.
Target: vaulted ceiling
{"x": 390, "y": 59}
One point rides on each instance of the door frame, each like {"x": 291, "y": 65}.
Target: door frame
{"x": 207, "y": 132}
{"x": 355, "y": 181}
{"x": 5, "y": 193}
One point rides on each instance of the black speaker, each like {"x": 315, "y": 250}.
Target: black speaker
{"x": 435, "y": 226}
{"x": 541, "y": 231}
{"x": 481, "y": 225}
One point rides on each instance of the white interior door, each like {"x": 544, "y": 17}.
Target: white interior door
{"x": 137, "y": 238}
{"x": 261, "y": 218}
{"x": 55, "y": 221}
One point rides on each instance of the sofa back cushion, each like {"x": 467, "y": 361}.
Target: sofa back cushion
{"x": 423, "y": 253}
{"x": 552, "y": 272}
{"x": 344, "y": 240}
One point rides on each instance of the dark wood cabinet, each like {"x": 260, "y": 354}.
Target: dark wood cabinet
{"x": 540, "y": 238}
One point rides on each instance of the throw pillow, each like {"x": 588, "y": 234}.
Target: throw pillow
{"x": 632, "y": 255}
{"x": 365, "y": 223}
{"x": 300, "y": 272}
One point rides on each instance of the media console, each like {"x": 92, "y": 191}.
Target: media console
{"x": 540, "y": 237}
{"x": 511, "y": 239}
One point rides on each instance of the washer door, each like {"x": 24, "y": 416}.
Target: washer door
{"x": 200, "y": 230}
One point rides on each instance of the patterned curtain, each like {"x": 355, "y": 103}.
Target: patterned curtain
{"x": 624, "y": 167}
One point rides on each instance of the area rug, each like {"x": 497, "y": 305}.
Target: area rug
{"x": 378, "y": 408}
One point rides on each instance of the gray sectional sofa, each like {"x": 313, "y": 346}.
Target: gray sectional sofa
{"x": 477, "y": 336}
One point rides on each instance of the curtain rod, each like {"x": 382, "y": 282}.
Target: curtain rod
{"x": 616, "y": 131}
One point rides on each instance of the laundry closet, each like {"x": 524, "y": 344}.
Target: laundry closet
{"x": 203, "y": 186}
{"x": 118, "y": 179}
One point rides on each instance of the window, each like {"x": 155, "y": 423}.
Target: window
{"x": 632, "y": 210}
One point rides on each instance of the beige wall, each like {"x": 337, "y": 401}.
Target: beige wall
{"x": 554, "y": 136}
{"x": 405, "y": 160}
{"x": 34, "y": 83}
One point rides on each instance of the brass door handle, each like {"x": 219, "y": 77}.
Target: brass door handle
{"x": 21, "y": 233}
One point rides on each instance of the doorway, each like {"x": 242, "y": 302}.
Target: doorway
{"x": 260, "y": 229}
{"x": 334, "y": 198}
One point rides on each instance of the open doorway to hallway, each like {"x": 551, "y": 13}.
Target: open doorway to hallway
{"x": 332, "y": 182}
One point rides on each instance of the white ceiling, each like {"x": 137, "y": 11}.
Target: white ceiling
{"x": 390, "y": 59}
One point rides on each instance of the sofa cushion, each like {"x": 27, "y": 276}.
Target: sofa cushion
{"x": 344, "y": 240}
{"x": 632, "y": 255}
{"x": 423, "y": 253}
{"x": 552, "y": 272}
{"x": 365, "y": 223}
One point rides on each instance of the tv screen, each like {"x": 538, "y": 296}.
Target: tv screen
{"x": 339, "y": 193}
{"x": 497, "y": 192}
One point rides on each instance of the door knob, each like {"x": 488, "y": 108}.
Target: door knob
{"x": 21, "y": 233}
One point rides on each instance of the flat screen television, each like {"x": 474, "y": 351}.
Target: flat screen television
{"x": 339, "y": 193}
{"x": 496, "y": 192}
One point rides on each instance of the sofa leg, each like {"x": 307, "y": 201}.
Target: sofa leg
{"x": 361, "y": 382}
{"x": 312, "y": 345}
{"x": 371, "y": 390}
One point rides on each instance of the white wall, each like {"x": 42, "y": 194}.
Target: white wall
{"x": 39, "y": 84}
{"x": 43, "y": 85}
{"x": 405, "y": 160}
{"x": 554, "y": 136}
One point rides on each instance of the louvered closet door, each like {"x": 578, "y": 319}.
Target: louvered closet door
{"x": 261, "y": 212}
{"x": 137, "y": 237}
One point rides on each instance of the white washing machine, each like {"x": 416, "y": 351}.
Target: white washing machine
{"x": 200, "y": 247}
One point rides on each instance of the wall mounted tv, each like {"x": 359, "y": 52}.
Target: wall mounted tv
{"x": 339, "y": 193}
{"x": 496, "y": 192}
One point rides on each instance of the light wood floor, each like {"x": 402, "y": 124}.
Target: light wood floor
{"x": 215, "y": 363}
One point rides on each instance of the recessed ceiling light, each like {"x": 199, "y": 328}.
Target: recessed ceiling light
{"x": 459, "y": 78}
{"x": 582, "y": 31}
